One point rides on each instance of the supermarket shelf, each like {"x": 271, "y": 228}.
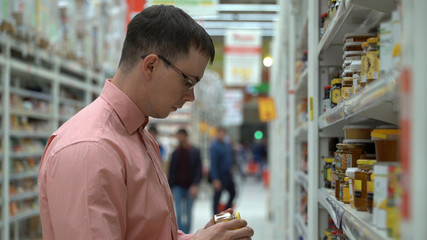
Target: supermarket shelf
{"x": 301, "y": 132}
{"x": 356, "y": 225}
{"x": 169, "y": 121}
{"x": 377, "y": 101}
{"x": 26, "y": 154}
{"x": 30, "y": 113}
{"x": 21, "y": 134}
{"x": 29, "y": 69}
{"x": 72, "y": 102}
{"x": 23, "y": 196}
{"x": 26, "y": 174}
{"x": 354, "y": 16}
{"x": 302, "y": 179}
{"x": 302, "y": 82}
{"x": 301, "y": 226}
{"x": 32, "y": 94}
{"x": 73, "y": 82}
{"x": 25, "y": 215}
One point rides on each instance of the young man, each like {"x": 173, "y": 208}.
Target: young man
{"x": 185, "y": 173}
{"x": 101, "y": 176}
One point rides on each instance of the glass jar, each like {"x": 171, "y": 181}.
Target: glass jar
{"x": 373, "y": 61}
{"x": 346, "y": 191}
{"x": 360, "y": 184}
{"x": 350, "y": 173}
{"x": 225, "y": 217}
{"x": 370, "y": 186}
{"x": 338, "y": 185}
{"x": 347, "y": 88}
{"x": 327, "y": 169}
{"x": 335, "y": 92}
{"x": 326, "y": 102}
{"x": 338, "y": 157}
{"x": 351, "y": 153}
{"x": 363, "y": 66}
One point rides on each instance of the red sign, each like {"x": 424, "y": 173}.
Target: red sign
{"x": 134, "y": 7}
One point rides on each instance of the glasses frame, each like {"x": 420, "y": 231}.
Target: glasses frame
{"x": 189, "y": 83}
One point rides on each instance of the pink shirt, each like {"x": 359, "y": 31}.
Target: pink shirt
{"x": 101, "y": 176}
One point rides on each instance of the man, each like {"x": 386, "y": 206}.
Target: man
{"x": 185, "y": 173}
{"x": 221, "y": 155}
{"x": 100, "y": 175}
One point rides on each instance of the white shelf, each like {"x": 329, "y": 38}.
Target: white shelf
{"x": 73, "y": 82}
{"x": 32, "y": 94}
{"x": 26, "y": 154}
{"x": 302, "y": 83}
{"x": 31, "y": 70}
{"x": 26, "y": 174}
{"x": 353, "y": 16}
{"x": 376, "y": 101}
{"x": 71, "y": 102}
{"x": 356, "y": 224}
{"x": 302, "y": 179}
{"x": 23, "y": 196}
{"x": 25, "y": 215}
{"x": 301, "y": 226}
{"x": 30, "y": 113}
{"x": 22, "y": 134}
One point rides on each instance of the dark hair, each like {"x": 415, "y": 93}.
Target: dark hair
{"x": 165, "y": 30}
{"x": 182, "y": 131}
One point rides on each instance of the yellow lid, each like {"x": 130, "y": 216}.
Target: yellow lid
{"x": 237, "y": 215}
{"x": 347, "y": 79}
{"x": 365, "y": 44}
{"x": 372, "y": 40}
{"x": 385, "y": 133}
{"x": 346, "y": 179}
{"x": 372, "y": 162}
{"x": 336, "y": 81}
{"x": 328, "y": 160}
{"x": 363, "y": 161}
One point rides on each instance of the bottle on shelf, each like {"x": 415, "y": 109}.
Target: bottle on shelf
{"x": 360, "y": 185}
{"x": 373, "y": 61}
{"x": 335, "y": 92}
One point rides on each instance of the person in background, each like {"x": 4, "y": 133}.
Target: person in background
{"x": 222, "y": 158}
{"x": 185, "y": 173}
{"x": 153, "y": 131}
{"x": 100, "y": 175}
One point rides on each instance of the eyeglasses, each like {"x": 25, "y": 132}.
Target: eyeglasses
{"x": 189, "y": 83}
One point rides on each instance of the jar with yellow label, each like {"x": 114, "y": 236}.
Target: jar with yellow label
{"x": 363, "y": 66}
{"x": 370, "y": 188}
{"x": 347, "y": 88}
{"x": 373, "y": 61}
{"x": 360, "y": 184}
{"x": 346, "y": 191}
{"x": 335, "y": 92}
{"x": 225, "y": 217}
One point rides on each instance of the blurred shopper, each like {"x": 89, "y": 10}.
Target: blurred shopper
{"x": 259, "y": 152}
{"x": 185, "y": 173}
{"x": 100, "y": 175}
{"x": 153, "y": 131}
{"x": 221, "y": 156}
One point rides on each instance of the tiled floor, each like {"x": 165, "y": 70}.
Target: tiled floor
{"x": 251, "y": 202}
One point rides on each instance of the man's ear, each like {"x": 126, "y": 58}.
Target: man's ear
{"x": 149, "y": 65}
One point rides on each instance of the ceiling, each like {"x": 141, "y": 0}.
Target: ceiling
{"x": 242, "y": 14}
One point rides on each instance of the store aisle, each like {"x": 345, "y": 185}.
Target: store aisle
{"x": 251, "y": 202}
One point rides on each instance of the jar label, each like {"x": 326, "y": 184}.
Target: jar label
{"x": 347, "y": 92}
{"x": 346, "y": 194}
{"x": 335, "y": 95}
{"x": 328, "y": 174}
{"x": 363, "y": 66}
{"x": 373, "y": 65}
{"x": 370, "y": 186}
{"x": 357, "y": 185}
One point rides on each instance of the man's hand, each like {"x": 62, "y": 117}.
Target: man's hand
{"x": 194, "y": 190}
{"x": 217, "y": 184}
{"x": 234, "y": 229}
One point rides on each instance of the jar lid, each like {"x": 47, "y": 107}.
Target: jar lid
{"x": 372, "y": 40}
{"x": 352, "y": 53}
{"x": 336, "y": 81}
{"x": 363, "y": 161}
{"x": 346, "y": 179}
{"x": 327, "y": 87}
{"x": 372, "y": 162}
{"x": 385, "y": 134}
{"x": 347, "y": 79}
{"x": 353, "y": 35}
{"x": 328, "y": 160}
{"x": 365, "y": 45}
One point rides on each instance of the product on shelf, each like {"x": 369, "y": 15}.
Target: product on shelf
{"x": 346, "y": 191}
{"x": 335, "y": 92}
{"x": 386, "y": 144}
{"x": 327, "y": 169}
{"x": 370, "y": 190}
{"x": 350, "y": 153}
{"x": 357, "y": 131}
{"x": 326, "y": 102}
{"x": 387, "y": 195}
{"x": 373, "y": 61}
{"x": 350, "y": 173}
{"x": 357, "y": 37}
{"x": 360, "y": 184}
{"x": 347, "y": 87}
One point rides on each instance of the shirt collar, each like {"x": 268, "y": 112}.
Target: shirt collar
{"x": 128, "y": 112}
